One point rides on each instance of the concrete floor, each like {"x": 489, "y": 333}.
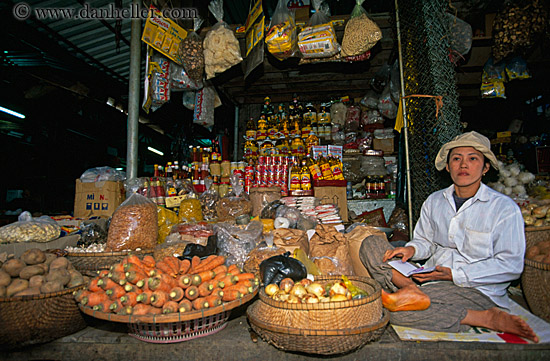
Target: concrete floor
{"x": 103, "y": 340}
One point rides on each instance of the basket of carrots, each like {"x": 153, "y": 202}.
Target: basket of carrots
{"x": 169, "y": 300}
{"x": 89, "y": 263}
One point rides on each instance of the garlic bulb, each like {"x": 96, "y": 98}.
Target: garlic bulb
{"x": 514, "y": 169}
{"x": 504, "y": 173}
{"x": 499, "y": 187}
{"x": 526, "y": 177}
{"x": 510, "y": 182}
{"x": 507, "y": 190}
{"x": 519, "y": 190}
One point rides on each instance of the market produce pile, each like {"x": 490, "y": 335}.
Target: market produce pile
{"x": 539, "y": 252}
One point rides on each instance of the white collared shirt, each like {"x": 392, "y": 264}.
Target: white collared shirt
{"x": 483, "y": 243}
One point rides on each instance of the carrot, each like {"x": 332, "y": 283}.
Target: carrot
{"x": 133, "y": 267}
{"x": 119, "y": 267}
{"x": 184, "y": 281}
{"x": 176, "y": 294}
{"x": 233, "y": 267}
{"x": 227, "y": 281}
{"x": 94, "y": 298}
{"x": 133, "y": 259}
{"x": 92, "y": 286}
{"x": 115, "y": 292}
{"x": 231, "y": 295}
{"x": 116, "y": 276}
{"x": 142, "y": 309}
{"x": 196, "y": 280}
{"x": 144, "y": 297}
{"x": 205, "y": 289}
{"x": 125, "y": 310}
{"x": 170, "y": 307}
{"x": 105, "y": 283}
{"x": 160, "y": 283}
{"x": 213, "y": 263}
{"x": 129, "y": 299}
{"x": 103, "y": 306}
{"x": 192, "y": 293}
{"x": 156, "y": 310}
{"x": 220, "y": 269}
{"x": 250, "y": 282}
{"x": 185, "y": 264}
{"x": 166, "y": 268}
{"x": 217, "y": 292}
{"x": 135, "y": 276}
{"x": 115, "y": 306}
{"x": 244, "y": 276}
{"x": 149, "y": 261}
{"x": 185, "y": 305}
{"x": 173, "y": 262}
{"x": 243, "y": 289}
{"x": 213, "y": 300}
{"x": 206, "y": 275}
{"x": 159, "y": 298}
{"x": 132, "y": 288}
{"x": 205, "y": 262}
{"x": 143, "y": 284}
{"x": 195, "y": 261}
{"x": 234, "y": 271}
{"x": 80, "y": 294}
{"x": 220, "y": 276}
{"x": 200, "y": 303}
{"x": 103, "y": 273}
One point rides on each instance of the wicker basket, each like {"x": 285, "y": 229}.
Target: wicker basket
{"x": 321, "y": 328}
{"x": 535, "y": 282}
{"x": 29, "y": 320}
{"x": 533, "y": 235}
{"x": 90, "y": 263}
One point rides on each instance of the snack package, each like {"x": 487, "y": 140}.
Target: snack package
{"x": 208, "y": 200}
{"x": 204, "y": 106}
{"x": 221, "y": 47}
{"x": 353, "y": 118}
{"x": 493, "y": 89}
{"x": 160, "y": 81}
{"x": 516, "y": 68}
{"x": 190, "y": 211}
{"x": 281, "y": 39}
{"x": 386, "y": 106}
{"x": 133, "y": 225}
{"x": 166, "y": 219}
{"x": 361, "y": 33}
{"x": 29, "y": 229}
{"x": 235, "y": 203}
{"x": 236, "y": 242}
{"x": 191, "y": 52}
{"x": 318, "y": 39}
{"x": 180, "y": 80}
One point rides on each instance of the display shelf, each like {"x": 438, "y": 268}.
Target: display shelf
{"x": 359, "y": 206}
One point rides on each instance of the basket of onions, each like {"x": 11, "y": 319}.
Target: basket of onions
{"x": 330, "y": 315}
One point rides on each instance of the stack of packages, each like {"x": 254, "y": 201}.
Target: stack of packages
{"x": 310, "y": 207}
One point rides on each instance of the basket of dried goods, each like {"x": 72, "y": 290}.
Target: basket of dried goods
{"x": 170, "y": 300}
{"x": 36, "y": 299}
{"x": 332, "y": 315}
{"x": 535, "y": 279}
{"x": 90, "y": 263}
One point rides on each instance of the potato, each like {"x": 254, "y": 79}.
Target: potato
{"x": 17, "y": 285}
{"x": 539, "y": 258}
{"x": 5, "y": 278}
{"x": 33, "y": 256}
{"x": 36, "y": 281}
{"x": 532, "y": 252}
{"x": 44, "y": 266}
{"x": 60, "y": 275}
{"x": 544, "y": 247}
{"x": 76, "y": 279}
{"x": 13, "y": 267}
{"x": 29, "y": 271}
{"x": 59, "y": 262}
{"x": 52, "y": 286}
{"x": 49, "y": 258}
{"x": 2, "y": 291}
{"x": 28, "y": 292}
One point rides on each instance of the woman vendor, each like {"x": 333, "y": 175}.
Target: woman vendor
{"x": 474, "y": 237}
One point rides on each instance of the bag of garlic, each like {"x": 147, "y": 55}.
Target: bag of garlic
{"x": 361, "y": 33}
{"x": 221, "y": 47}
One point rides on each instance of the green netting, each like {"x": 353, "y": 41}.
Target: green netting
{"x": 427, "y": 71}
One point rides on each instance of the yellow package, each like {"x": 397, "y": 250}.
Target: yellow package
{"x": 281, "y": 40}
{"x": 190, "y": 211}
{"x": 166, "y": 219}
{"x": 318, "y": 41}
{"x": 311, "y": 267}
{"x": 267, "y": 223}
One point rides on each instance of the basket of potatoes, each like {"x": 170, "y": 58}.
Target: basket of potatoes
{"x": 36, "y": 299}
{"x": 535, "y": 279}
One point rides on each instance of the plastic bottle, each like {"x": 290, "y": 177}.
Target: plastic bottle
{"x": 305, "y": 177}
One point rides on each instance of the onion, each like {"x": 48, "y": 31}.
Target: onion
{"x": 271, "y": 289}
{"x": 316, "y": 289}
{"x": 293, "y": 299}
{"x": 324, "y": 299}
{"x": 286, "y": 284}
{"x": 306, "y": 282}
{"x": 338, "y": 298}
{"x": 338, "y": 289}
{"x": 298, "y": 290}
{"x": 310, "y": 298}
{"x": 280, "y": 296}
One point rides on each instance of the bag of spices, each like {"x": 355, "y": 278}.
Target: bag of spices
{"x": 235, "y": 203}
{"x": 208, "y": 201}
{"x": 221, "y": 47}
{"x": 281, "y": 39}
{"x": 191, "y": 52}
{"x": 318, "y": 39}
{"x": 361, "y": 33}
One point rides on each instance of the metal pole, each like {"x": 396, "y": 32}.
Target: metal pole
{"x": 133, "y": 98}
{"x": 405, "y": 123}
{"x": 236, "y": 135}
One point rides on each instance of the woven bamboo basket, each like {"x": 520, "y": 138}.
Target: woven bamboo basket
{"x": 321, "y": 328}
{"x": 533, "y": 235}
{"x": 535, "y": 282}
{"x": 90, "y": 263}
{"x": 29, "y": 320}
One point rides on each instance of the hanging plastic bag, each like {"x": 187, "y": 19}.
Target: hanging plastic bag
{"x": 395, "y": 82}
{"x": 493, "y": 72}
{"x": 29, "y": 229}
{"x": 204, "y": 106}
{"x": 208, "y": 200}
{"x": 516, "y": 68}
{"x": 386, "y": 106}
{"x": 380, "y": 79}
{"x": 191, "y": 52}
{"x": 133, "y": 225}
{"x": 236, "y": 242}
{"x": 493, "y": 89}
{"x": 282, "y": 39}
{"x": 461, "y": 34}
{"x": 188, "y": 99}
{"x": 370, "y": 100}
{"x": 221, "y": 47}
{"x": 235, "y": 203}
{"x": 361, "y": 33}
{"x": 160, "y": 81}
{"x": 180, "y": 80}
{"x": 318, "y": 39}
{"x": 353, "y": 118}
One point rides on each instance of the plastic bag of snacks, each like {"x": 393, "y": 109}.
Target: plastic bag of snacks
{"x": 338, "y": 112}
{"x": 281, "y": 39}
{"x": 221, "y": 47}
{"x": 386, "y": 106}
{"x": 190, "y": 211}
{"x": 208, "y": 201}
{"x": 492, "y": 80}
{"x": 235, "y": 203}
{"x": 29, "y": 229}
{"x": 133, "y": 225}
{"x": 180, "y": 80}
{"x": 191, "y": 53}
{"x": 318, "y": 39}
{"x": 166, "y": 219}
{"x": 516, "y": 68}
{"x": 160, "y": 80}
{"x": 361, "y": 33}
{"x": 205, "y": 99}
{"x": 353, "y": 117}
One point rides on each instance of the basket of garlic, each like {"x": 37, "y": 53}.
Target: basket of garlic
{"x": 332, "y": 315}
{"x": 512, "y": 180}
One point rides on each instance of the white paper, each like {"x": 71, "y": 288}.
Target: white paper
{"x": 407, "y": 269}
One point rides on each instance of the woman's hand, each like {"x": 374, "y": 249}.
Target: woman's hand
{"x": 440, "y": 274}
{"x": 404, "y": 252}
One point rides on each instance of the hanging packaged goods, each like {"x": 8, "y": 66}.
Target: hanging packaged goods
{"x": 163, "y": 34}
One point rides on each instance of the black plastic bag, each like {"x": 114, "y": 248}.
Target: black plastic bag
{"x": 276, "y": 268}
{"x": 193, "y": 249}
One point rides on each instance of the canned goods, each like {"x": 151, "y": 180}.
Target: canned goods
{"x": 262, "y": 159}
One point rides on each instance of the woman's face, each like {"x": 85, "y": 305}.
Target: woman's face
{"x": 466, "y": 166}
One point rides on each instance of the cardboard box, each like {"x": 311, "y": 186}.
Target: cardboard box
{"x": 336, "y": 196}
{"x": 385, "y": 145}
{"x": 97, "y": 199}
